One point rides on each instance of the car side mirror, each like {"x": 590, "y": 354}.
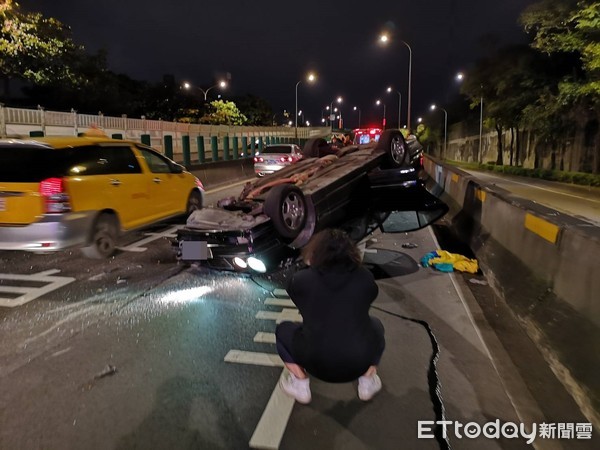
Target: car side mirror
{"x": 177, "y": 168}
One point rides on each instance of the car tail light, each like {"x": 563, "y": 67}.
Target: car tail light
{"x": 258, "y": 159}
{"x": 199, "y": 183}
{"x": 284, "y": 159}
{"x": 55, "y": 197}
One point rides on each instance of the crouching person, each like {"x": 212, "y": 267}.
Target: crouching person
{"x": 338, "y": 341}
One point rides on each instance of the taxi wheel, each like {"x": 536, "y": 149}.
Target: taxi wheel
{"x": 392, "y": 142}
{"x": 286, "y": 206}
{"x": 104, "y": 238}
{"x": 194, "y": 202}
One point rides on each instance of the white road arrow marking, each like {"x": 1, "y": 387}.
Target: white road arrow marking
{"x": 28, "y": 294}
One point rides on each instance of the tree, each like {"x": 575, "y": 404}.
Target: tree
{"x": 35, "y": 48}
{"x": 223, "y": 113}
{"x": 569, "y": 27}
{"x": 257, "y": 110}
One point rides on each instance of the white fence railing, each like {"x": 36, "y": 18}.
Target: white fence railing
{"x": 17, "y": 122}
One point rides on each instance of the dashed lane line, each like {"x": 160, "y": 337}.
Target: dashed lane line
{"x": 286, "y": 314}
{"x": 265, "y": 338}
{"x": 138, "y": 245}
{"x": 273, "y": 422}
{"x": 280, "y": 302}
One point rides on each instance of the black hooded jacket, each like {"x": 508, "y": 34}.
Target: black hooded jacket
{"x": 337, "y": 341}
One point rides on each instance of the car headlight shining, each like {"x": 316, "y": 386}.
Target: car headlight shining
{"x": 240, "y": 262}
{"x": 256, "y": 264}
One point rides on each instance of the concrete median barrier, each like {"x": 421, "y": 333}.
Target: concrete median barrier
{"x": 221, "y": 172}
{"x": 543, "y": 265}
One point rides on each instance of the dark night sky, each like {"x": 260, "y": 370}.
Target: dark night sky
{"x": 268, "y": 46}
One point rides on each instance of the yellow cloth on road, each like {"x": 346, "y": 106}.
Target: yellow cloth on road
{"x": 459, "y": 262}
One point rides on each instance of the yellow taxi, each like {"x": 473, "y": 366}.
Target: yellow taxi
{"x": 60, "y": 192}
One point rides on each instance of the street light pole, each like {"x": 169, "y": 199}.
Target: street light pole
{"x": 339, "y": 100}
{"x": 311, "y": 78}
{"x": 378, "y": 102}
{"x": 356, "y": 108}
{"x": 409, "y": 83}
{"x": 399, "y": 106}
{"x": 384, "y": 38}
{"x": 296, "y": 127}
{"x": 221, "y": 84}
{"x": 445, "y": 127}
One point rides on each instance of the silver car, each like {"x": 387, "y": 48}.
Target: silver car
{"x": 275, "y": 157}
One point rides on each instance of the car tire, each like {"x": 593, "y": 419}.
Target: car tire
{"x": 286, "y": 206}
{"x": 311, "y": 148}
{"x": 103, "y": 238}
{"x": 393, "y": 143}
{"x": 194, "y": 202}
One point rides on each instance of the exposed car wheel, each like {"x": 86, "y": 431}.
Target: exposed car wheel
{"x": 103, "y": 238}
{"x": 286, "y": 206}
{"x": 392, "y": 141}
{"x": 194, "y": 202}
{"x": 311, "y": 148}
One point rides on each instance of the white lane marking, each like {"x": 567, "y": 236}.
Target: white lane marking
{"x": 272, "y": 424}
{"x": 265, "y": 338}
{"x": 137, "y": 246}
{"x": 253, "y": 358}
{"x": 31, "y": 293}
{"x": 280, "y": 302}
{"x": 280, "y": 293}
{"x": 286, "y": 314}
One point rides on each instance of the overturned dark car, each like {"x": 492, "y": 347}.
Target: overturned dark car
{"x": 358, "y": 188}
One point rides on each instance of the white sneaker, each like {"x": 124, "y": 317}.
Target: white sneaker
{"x": 368, "y": 387}
{"x": 297, "y": 388}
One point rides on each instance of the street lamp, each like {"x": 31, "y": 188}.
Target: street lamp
{"x": 356, "y": 108}
{"x": 384, "y": 38}
{"x": 332, "y": 116}
{"x": 221, "y": 84}
{"x": 311, "y": 77}
{"x": 460, "y": 77}
{"x": 378, "y": 102}
{"x": 433, "y": 107}
{"x": 389, "y": 89}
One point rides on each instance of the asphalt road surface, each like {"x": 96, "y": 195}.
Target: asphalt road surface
{"x": 578, "y": 201}
{"x": 142, "y": 352}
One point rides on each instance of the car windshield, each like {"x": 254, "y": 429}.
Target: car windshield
{"x": 278, "y": 149}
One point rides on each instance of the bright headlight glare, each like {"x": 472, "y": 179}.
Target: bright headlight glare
{"x": 240, "y": 262}
{"x": 256, "y": 264}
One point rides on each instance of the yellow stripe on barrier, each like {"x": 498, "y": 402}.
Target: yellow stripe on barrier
{"x": 542, "y": 228}
{"x": 455, "y": 178}
{"x": 480, "y": 195}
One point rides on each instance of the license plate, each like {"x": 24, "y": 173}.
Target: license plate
{"x": 2, "y": 204}
{"x": 194, "y": 250}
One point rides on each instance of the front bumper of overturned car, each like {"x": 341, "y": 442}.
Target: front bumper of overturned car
{"x": 229, "y": 247}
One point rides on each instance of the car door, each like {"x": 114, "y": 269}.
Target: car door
{"x": 168, "y": 189}
{"x": 397, "y": 208}
{"x": 109, "y": 177}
